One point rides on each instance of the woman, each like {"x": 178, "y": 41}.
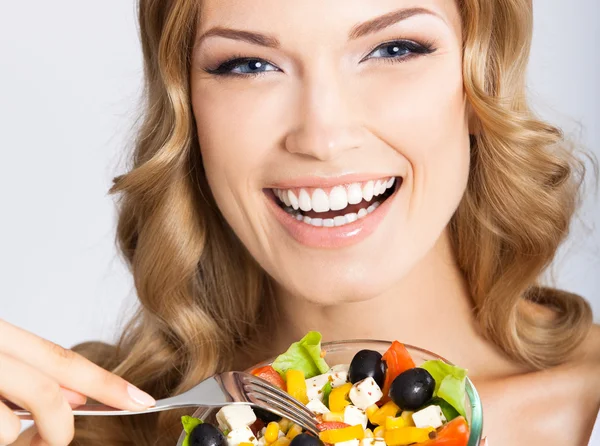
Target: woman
{"x": 365, "y": 169}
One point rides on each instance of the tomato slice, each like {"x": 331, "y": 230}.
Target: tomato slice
{"x": 269, "y": 374}
{"x": 397, "y": 360}
{"x": 455, "y": 433}
{"x": 328, "y": 425}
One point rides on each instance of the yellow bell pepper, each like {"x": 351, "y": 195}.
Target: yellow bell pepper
{"x": 394, "y": 423}
{"x": 245, "y": 443}
{"x": 333, "y": 416}
{"x": 389, "y": 409}
{"x": 296, "y": 385}
{"x": 407, "y": 435}
{"x": 407, "y": 417}
{"x": 338, "y": 398}
{"x": 370, "y": 411}
{"x": 344, "y": 434}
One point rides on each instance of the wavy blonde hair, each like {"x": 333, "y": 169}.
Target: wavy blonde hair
{"x": 203, "y": 297}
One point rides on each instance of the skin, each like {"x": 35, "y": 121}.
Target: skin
{"x": 326, "y": 111}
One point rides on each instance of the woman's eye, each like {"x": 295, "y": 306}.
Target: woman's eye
{"x": 242, "y": 67}
{"x": 401, "y": 49}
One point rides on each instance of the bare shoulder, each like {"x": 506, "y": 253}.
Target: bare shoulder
{"x": 557, "y": 406}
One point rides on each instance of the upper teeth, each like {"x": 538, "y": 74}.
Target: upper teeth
{"x": 337, "y": 199}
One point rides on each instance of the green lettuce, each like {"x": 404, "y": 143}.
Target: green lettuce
{"x": 189, "y": 424}
{"x": 326, "y": 391}
{"x": 304, "y": 355}
{"x": 449, "y": 383}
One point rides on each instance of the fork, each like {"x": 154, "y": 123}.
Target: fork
{"x": 217, "y": 391}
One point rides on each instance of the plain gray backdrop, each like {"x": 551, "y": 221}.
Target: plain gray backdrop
{"x": 70, "y": 76}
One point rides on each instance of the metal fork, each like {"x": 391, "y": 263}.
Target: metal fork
{"x": 217, "y": 391}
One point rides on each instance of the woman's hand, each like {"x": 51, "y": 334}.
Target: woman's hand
{"x": 49, "y": 381}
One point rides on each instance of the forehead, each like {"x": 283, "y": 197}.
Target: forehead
{"x": 306, "y": 17}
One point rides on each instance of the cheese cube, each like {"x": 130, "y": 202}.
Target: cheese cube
{"x": 317, "y": 406}
{"x": 314, "y": 386}
{"x": 348, "y": 443}
{"x": 263, "y": 442}
{"x": 235, "y": 416}
{"x": 431, "y": 416}
{"x": 372, "y": 442}
{"x": 353, "y": 416}
{"x": 365, "y": 393}
{"x": 241, "y": 435}
{"x": 339, "y": 375}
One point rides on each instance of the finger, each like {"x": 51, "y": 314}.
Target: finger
{"x": 32, "y": 390}
{"x": 74, "y": 398}
{"x": 10, "y": 425}
{"x": 72, "y": 370}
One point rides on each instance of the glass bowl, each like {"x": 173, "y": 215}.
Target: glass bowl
{"x": 342, "y": 352}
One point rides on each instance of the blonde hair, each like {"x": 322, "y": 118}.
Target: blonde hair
{"x": 203, "y": 297}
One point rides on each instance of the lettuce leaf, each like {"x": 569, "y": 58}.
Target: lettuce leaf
{"x": 304, "y": 355}
{"x": 449, "y": 383}
{"x": 189, "y": 424}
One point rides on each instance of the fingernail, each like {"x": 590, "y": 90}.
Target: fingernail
{"x": 484, "y": 442}
{"x": 140, "y": 397}
{"x": 73, "y": 397}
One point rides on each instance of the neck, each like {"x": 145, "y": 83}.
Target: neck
{"x": 430, "y": 308}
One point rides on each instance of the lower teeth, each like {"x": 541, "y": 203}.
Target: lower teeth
{"x": 340, "y": 220}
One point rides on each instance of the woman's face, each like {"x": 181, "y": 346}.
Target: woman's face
{"x": 334, "y": 135}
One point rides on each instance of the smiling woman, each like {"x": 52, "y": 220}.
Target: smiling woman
{"x": 364, "y": 169}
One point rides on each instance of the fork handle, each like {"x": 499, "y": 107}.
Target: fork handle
{"x": 93, "y": 410}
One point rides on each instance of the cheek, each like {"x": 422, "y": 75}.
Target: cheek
{"x": 423, "y": 117}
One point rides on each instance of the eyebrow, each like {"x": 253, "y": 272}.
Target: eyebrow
{"x": 357, "y": 31}
{"x": 388, "y": 20}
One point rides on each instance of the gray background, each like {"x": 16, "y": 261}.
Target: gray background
{"x": 69, "y": 84}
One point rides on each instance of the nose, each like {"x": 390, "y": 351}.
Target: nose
{"x": 326, "y": 125}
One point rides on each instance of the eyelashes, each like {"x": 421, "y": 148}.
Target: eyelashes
{"x": 395, "y": 51}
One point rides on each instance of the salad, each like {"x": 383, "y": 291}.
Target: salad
{"x": 376, "y": 400}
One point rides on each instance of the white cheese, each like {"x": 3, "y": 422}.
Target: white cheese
{"x": 353, "y": 416}
{"x": 339, "y": 375}
{"x": 348, "y": 443}
{"x": 372, "y": 442}
{"x": 314, "y": 386}
{"x": 235, "y": 416}
{"x": 317, "y": 406}
{"x": 365, "y": 393}
{"x": 241, "y": 435}
{"x": 431, "y": 416}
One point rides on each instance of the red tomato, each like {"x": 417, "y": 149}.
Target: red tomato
{"x": 269, "y": 374}
{"x": 328, "y": 425}
{"x": 397, "y": 360}
{"x": 455, "y": 433}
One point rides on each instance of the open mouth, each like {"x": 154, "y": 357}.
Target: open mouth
{"x": 336, "y": 206}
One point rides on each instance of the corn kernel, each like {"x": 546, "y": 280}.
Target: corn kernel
{"x": 272, "y": 432}
{"x": 282, "y": 441}
{"x": 294, "y": 431}
{"x": 394, "y": 423}
{"x": 379, "y": 432}
{"x": 407, "y": 417}
{"x": 333, "y": 416}
{"x": 284, "y": 425}
{"x": 369, "y": 433}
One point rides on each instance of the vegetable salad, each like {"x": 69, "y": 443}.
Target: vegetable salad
{"x": 376, "y": 400}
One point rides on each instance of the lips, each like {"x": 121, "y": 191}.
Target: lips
{"x": 335, "y": 215}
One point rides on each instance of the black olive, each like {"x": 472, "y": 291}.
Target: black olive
{"x": 306, "y": 440}
{"x": 206, "y": 434}
{"x": 265, "y": 415}
{"x": 367, "y": 363}
{"x": 412, "y": 388}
